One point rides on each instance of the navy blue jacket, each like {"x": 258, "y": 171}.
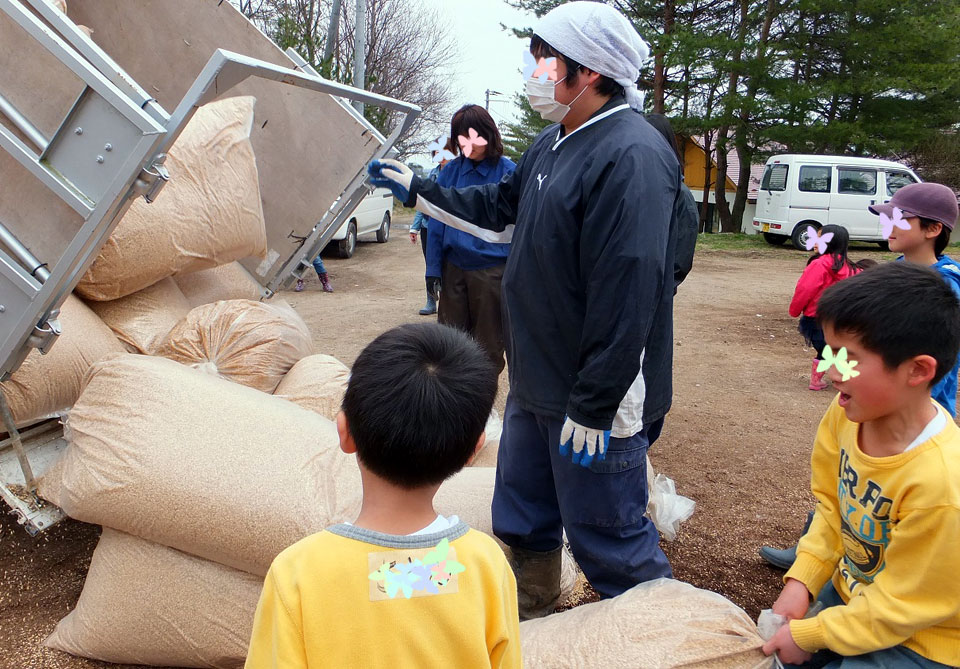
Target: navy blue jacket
{"x": 588, "y": 286}
{"x": 447, "y": 244}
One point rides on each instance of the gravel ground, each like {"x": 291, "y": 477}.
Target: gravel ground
{"x": 737, "y": 440}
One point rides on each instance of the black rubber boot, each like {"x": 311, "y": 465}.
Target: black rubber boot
{"x": 783, "y": 558}
{"x": 431, "y": 306}
{"x": 538, "y": 581}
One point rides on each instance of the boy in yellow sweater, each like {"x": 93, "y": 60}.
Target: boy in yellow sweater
{"x": 401, "y": 586}
{"x": 883, "y": 550}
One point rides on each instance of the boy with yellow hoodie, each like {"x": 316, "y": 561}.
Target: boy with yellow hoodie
{"x": 402, "y": 586}
{"x": 883, "y": 550}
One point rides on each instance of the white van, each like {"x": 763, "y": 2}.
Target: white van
{"x": 371, "y": 215}
{"x": 798, "y": 191}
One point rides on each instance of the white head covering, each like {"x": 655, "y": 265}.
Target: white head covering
{"x": 598, "y": 37}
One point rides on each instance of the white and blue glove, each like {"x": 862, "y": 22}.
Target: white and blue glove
{"x": 391, "y": 174}
{"x": 587, "y": 442}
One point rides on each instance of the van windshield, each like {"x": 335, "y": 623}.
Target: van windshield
{"x": 774, "y": 178}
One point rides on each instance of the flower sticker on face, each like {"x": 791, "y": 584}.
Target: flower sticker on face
{"x": 544, "y": 69}
{"x": 887, "y": 224}
{"x": 442, "y": 153}
{"x": 470, "y": 142}
{"x": 818, "y": 240}
{"x": 844, "y": 366}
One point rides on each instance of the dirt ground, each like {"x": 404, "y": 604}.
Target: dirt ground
{"x": 737, "y": 440}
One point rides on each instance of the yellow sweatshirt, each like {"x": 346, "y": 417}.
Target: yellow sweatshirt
{"x": 887, "y": 529}
{"x": 349, "y": 597}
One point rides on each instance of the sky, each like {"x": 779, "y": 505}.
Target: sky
{"x": 489, "y": 58}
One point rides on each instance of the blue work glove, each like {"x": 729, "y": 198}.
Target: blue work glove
{"x": 391, "y": 174}
{"x": 587, "y": 442}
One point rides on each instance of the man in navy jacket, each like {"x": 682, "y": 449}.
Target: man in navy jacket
{"x": 588, "y": 293}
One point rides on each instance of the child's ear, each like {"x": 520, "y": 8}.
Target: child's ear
{"x": 933, "y": 231}
{"x": 347, "y": 445}
{"x": 480, "y": 442}
{"x": 922, "y": 370}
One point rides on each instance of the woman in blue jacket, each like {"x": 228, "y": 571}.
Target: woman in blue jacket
{"x": 470, "y": 269}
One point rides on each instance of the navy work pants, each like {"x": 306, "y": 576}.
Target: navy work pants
{"x": 538, "y": 494}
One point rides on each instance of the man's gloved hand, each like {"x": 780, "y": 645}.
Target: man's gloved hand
{"x": 391, "y": 174}
{"x": 587, "y": 442}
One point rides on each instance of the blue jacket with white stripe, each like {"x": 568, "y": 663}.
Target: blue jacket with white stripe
{"x": 446, "y": 244}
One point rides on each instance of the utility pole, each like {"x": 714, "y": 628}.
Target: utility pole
{"x": 333, "y": 33}
{"x": 360, "y": 46}
{"x": 489, "y": 93}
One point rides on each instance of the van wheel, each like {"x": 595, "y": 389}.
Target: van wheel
{"x": 799, "y": 236}
{"x": 774, "y": 240}
{"x": 383, "y": 233}
{"x": 348, "y": 244}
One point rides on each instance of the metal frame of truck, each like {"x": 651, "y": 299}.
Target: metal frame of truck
{"x": 117, "y": 126}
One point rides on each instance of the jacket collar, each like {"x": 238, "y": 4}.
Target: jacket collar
{"x": 612, "y": 106}
{"x": 483, "y": 168}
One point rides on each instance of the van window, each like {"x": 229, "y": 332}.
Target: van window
{"x": 856, "y": 181}
{"x": 897, "y": 180}
{"x": 815, "y": 178}
{"x": 774, "y": 178}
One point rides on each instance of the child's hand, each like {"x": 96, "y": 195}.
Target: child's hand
{"x": 788, "y": 651}
{"x": 413, "y": 237}
{"x": 794, "y": 600}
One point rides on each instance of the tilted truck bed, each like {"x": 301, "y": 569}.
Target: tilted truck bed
{"x": 65, "y": 97}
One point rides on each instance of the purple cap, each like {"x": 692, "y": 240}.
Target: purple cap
{"x": 926, "y": 200}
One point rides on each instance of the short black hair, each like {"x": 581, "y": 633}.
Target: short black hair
{"x": 418, "y": 399}
{"x": 943, "y": 239}
{"x": 898, "y": 310}
{"x": 604, "y": 86}
{"x": 478, "y": 118}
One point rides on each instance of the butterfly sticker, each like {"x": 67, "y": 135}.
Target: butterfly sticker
{"x": 467, "y": 144}
{"x": 887, "y": 224}
{"x": 816, "y": 239}
{"x": 440, "y": 146}
{"x": 844, "y": 366}
{"x": 544, "y": 69}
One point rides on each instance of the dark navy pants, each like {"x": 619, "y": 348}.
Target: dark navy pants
{"x": 538, "y": 494}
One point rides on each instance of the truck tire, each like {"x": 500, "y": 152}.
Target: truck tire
{"x": 799, "y": 236}
{"x": 348, "y": 244}
{"x": 773, "y": 239}
{"x": 383, "y": 233}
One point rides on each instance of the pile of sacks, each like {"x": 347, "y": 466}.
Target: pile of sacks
{"x": 163, "y": 260}
{"x": 199, "y": 482}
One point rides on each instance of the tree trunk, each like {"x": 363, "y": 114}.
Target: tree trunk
{"x": 729, "y": 107}
{"x": 741, "y": 138}
{"x": 706, "y": 225}
{"x": 659, "y": 66}
{"x": 720, "y": 187}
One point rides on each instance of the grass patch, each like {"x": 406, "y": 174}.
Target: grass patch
{"x": 730, "y": 241}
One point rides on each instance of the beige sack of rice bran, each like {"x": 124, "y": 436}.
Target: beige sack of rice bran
{"x": 317, "y": 383}
{"x": 209, "y": 214}
{"x": 226, "y": 282}
{"x": 194, "y": 462}
{"x": 143, "y": 603}
{"x": 654, "y": 625}
{"x": 143, "y": 320}
{"x": 251, "y": 343}
{"x": 47, "y": 384}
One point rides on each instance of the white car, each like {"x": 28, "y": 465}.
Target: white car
{"x": 798, "y": 191}
{"x": 371, "y": 215}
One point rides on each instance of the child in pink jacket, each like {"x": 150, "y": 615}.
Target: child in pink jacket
{"x": 822, "y": 271}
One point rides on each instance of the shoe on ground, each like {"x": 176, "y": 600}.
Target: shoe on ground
{"x": 781, "y": 558}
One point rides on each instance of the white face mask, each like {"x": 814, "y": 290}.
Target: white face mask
{"x": 543, "y": 99}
